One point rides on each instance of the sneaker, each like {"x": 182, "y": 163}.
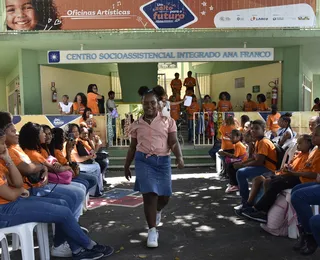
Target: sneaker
{"x": 152, "y": 238}
{"x": 310, "y": 245}
{"x": 86, "y": 254}
{"x": 238, "y": 207}
{"x": 232, "y": 188}
{"x": 256, "y": 215}
{"x": 105, "y": 250}
{"x": 158, "y": 219}
{"x": 61, "y": 251}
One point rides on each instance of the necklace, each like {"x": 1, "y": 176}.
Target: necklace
{"x": 148, "y": 119}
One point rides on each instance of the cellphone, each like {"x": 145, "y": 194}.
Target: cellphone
{"x": 71, "y": 137}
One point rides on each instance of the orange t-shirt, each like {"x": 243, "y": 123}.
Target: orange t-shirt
{"x": 297, "y": 162}
{"x": 189, "y": 82}
{"x": 58, "y": 154}
{"x": 176, "y": 84}
{"x": 240, "y": 151}
{"x": 272, "y": 122}
{"x": 193, "y": 109}
{"x": 208, "y": 107}
{"x": 224, "y": 106}
{"x": 225, "y": 131}
{"x": 3, "y": 180}
{"x": 266, "y": 147}
{"x": 311, "y": 165}
{"x": 262, "y": 106}
{"x": 35, "y": 156}
{"x": 175, "y": 111}
{"x": 93, "y": 103}
{"x": 249, "y": 106}
{"x": 76, "y": 106}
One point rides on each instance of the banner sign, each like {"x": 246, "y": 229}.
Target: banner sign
{"x": 174, "y": 55}
{"x": 159, "y": 14}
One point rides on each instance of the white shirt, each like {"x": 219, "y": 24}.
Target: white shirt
{"x": 111, "y": 104}
{"x": 66, "y": 108}
{"x": 165, "y": 108}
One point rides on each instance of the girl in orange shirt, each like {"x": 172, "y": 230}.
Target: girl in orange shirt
{"x": 79, "y": 103}
{"x": 224, "y": 105}
{"x": 282, "y": 181}
{"x": 208, "y": 106}
{"x": 262, "y": 106}
{"x": 93, "y": 96}
{"x": 87, "y": 119}
{"x": 272, "y": 121}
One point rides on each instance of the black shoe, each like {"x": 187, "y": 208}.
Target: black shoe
{"x": 105, "y": 250}
{"x": 256, "y": 215}
{"x": 301, "y": 241}
{"x": 310, "y": 245}
{"x": 86, "y": 254}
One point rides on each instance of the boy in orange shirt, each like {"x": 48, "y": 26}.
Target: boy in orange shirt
{"x": 190, "y": 82}
{"x": 272, "y": 120}
{"x": 249, "y": 105}
{"x": 240, "y": 154}
{"x": 262, "y": 106}
{"x": 261, "y": 164}
{"x": 176, "y": 85}
{"x": 285, "y": 179}
{"x": 194, "y": 107}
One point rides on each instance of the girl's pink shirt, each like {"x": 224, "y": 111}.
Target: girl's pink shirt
{"x": 153, "y": 139}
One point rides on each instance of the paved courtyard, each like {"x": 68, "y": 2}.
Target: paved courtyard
{"x": 198, "y": 224}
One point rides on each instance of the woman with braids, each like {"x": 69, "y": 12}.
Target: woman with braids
{"x": 32, "y": 15}
{"x": 153, "y": 136}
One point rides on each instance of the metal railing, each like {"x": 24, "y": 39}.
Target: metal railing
{"x": 203, "y": 128}
{"x": 117, "y": 130}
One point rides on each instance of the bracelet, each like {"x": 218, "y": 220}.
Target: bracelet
{"x": 8, "y": 164}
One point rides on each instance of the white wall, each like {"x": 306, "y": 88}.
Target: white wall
{"x": 68, "y": 82}
{"x": 261, "y": 75}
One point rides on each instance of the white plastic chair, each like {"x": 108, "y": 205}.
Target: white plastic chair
{"x": 24, "y": 234}
{"x": 289, "y": 154}
{"x": 4, "y": 247}
{"x": 218, "y": 163}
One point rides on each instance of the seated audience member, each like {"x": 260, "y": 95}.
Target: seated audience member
{"x": 208, "y": 106}
{"x": 316, "y": 106}
{"x": 30, "y": 139}
{"x": 313, "y": 122}
{"x": 16, "y": 207}
{"x": 243, "y": 120}
{"x": 306, "y": 194}
{"x": 262, "y": 106}
{"x": 87, "y": 118}
{"x": 95, "y": 140}
{"x": 79, "y": 103}
{"x": 226, "y": 144}
{"x": 86, "y": 160}
{"x": 249, "y": 143}
{"x": 240, "y": 154}
{"x": 65, "y": 107}
{"x": 249, "y": 105}
{"x": 284, "y": 136}
{"x": 59, "y": 140}
{"x": 287, "y": 178}
{"x": 263, "y": 163}
{"x": 224, "y": 104}
{"x": 273, "y": 121}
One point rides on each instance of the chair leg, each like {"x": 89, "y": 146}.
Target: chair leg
{"x": 43, "y": 241}
{"x": 26, "y": 241}
{"x": 15, "y": 242}
{"x": 4, "y": 249}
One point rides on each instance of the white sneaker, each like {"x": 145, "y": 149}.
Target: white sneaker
{"x": 152, "y": 238}
{"x": 158, "y": 219}
{"x": 238, "y": 207}
{"x": 61, "y": 251}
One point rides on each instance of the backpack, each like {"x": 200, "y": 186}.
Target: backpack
{"x": 280, "y": 154}
{"x": 282, "y": 219}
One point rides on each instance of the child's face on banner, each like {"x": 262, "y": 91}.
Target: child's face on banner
{"x": 21, "y": 15}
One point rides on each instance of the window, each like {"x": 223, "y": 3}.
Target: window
{"x": 204, "y": 83}
{"x": 116, "y": 85}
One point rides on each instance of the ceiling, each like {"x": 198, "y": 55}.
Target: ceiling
{"x": 11, "y": 43}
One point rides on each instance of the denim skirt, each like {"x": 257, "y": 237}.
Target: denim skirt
{"x": 153, "y": 174}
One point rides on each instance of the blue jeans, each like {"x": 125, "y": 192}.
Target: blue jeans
{"x": 73, "y": 195}
{"x": 90, "y": 180}
{"x": 93, "y": 170}
{"x": 302, "y": 196}
{"x": 28, "y": 210}
{"x": 214, "y": 150}
{"x": 190, "y": 130}
{"x": 245, "y": 174}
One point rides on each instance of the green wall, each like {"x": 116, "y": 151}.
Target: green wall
{"x": 3, "y": 96}
{"x": 133, "y": 76}
{"x": 291, "y": 79}
{"x": 316, "y": 86}
{"x": 29, "y": 71}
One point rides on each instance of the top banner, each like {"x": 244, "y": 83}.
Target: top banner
{"x": 158, "y": 14}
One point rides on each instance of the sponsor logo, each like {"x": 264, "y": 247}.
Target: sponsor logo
{"x": 303, "y": 18}
{"x": 256, "y": 18}
{"x": 225, "y": 19}
{"x": 240, "y": 19}
{"x": 58, "y": 122}
{"x": 278, "y": 18}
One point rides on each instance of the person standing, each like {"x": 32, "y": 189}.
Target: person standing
{"x": 152, "y": 138}
{"x": 79, "y": 103}
{"x": 93, "y": 96}
{"x": 249, "y": 105}
{"x": 189, "y": 82}
{"x": 176, "y": 86}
